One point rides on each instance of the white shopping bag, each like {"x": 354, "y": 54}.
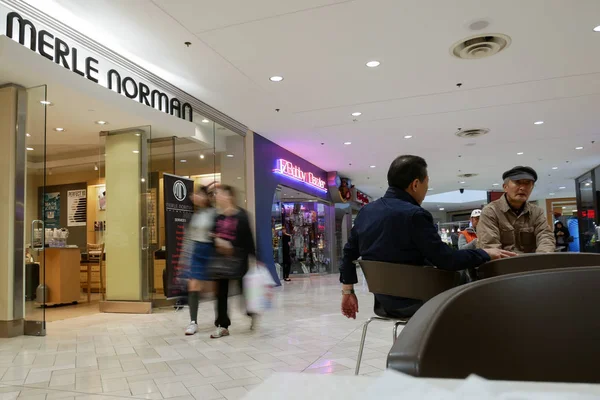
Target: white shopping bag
{"x": 257, "y": 289}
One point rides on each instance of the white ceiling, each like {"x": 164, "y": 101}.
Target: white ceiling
{"x": 550, "y": 72}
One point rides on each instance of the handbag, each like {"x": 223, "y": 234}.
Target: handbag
{"x": 225, "y": 267}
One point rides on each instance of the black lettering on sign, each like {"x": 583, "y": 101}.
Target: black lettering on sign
{"x": 159, "y": 98}
{"x": 74, "y": 59}
{"x": 131, "y": 95}
{"x": 188, "y": 107}
{"x": 23, "y": 23}
{"x": 176, "y": 106}
{"x": 44, "y": 43}
{"x": 57, "y": 50}
{"x": 61, "y": 51}
{"x": 144, "y": 92}
{"x": 109, "y": 80}
{"x": 89, "y": 69}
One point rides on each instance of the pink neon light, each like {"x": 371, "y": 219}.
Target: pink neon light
{"x": 289, "y": 170}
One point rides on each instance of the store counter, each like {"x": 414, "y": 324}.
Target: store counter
{"x": 61, "y": 266}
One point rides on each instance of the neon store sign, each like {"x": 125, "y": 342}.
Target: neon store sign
{"x": 294, "y": 172}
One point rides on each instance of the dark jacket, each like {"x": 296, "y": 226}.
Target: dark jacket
{"x": 236, "y": 229}
{"x": 564, "y": 239}
{"x": 396, "y": 229}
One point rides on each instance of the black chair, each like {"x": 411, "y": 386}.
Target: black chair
{"x": 414, "y": 282}
{"x": 536, "y": 262}
{"x": 533, "y": 326}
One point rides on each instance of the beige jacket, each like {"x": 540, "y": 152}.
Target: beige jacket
{"x": 500, "y": 227}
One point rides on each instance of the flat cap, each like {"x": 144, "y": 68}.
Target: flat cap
{"x": 519, "y": 173}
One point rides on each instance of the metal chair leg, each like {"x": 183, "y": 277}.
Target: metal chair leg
{"x": 396, "y": 324}
{"x": 362, "y": 345}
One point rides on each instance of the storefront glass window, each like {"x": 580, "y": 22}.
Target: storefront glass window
{"x": 305, "y": 221}
{"x": 587, "y": 211}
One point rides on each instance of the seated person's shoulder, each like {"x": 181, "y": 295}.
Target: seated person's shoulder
{"x": 488, "y": 211}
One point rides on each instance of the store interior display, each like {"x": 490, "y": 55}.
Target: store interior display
{"x": 446, "y": 229}
{"x": 304, "y": 218}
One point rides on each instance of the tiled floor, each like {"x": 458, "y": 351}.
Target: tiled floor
{"x": 57, "y": 313}
{"x": 110, "y": 356}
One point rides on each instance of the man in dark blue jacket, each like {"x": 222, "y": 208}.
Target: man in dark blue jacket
{"x": 395, "y": 229}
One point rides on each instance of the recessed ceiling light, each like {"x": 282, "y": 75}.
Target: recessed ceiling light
{"x": 239, "y": 178}
{"x": 28, "y": 135}
{"x": 442, "y": 209}
{"x": 588, "y": 184}
{"x": 538, "y": 122}
{"x": 136, "y": 152}
{"x": 597, "y": 29}
{"x": 462, "y": 182}
{"x": 551, "y": 194}
{"x": 496, "y": 184}
{"x": 46, "y": 102}
{"x": 430, "y": 189}
{"x": 202, "y": 156}
{"x": 59, "y": 129}
{"x": 30, "y": 149}
{"x": 579, "y": 148}
{"x": 143, "y": 179}
{"x": 347, "y": 143}
{"x": 205, "y": 121}
{"x": 276, "y": 78}
{"x": 562, "y": 187}
{"x": 520, "y": 153}
{"x": 183, "y": 161}
{"x": 356, "y": 114}
{"x": 101, "y": 122}
{"x": 407, "y": 137}
{"x": 372, "y": 166}
{"x": 230, "y": 155}
{"x": 373, "y": 64}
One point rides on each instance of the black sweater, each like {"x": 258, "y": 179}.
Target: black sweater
{"x": 236, "y": 229}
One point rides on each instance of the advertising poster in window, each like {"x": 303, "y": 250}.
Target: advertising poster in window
{"x": 101, "y": 195}
{"x": 77, "y": 207}
{"x": 52, "y": 210}
{"x": 178, "y": 213}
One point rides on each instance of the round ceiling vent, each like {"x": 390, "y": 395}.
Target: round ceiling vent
{"x": 480, "y": 46}
{"x": 471, "y": 133}
{"x": 467, "y": 175}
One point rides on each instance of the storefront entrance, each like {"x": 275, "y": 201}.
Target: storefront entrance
{"x": 300, "y": 232}
{"x": 82, "y": 170}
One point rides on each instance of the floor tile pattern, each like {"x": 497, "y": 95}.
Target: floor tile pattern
{"x": 111, "y": 356}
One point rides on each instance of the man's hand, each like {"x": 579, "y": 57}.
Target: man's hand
{"x": 349, "y": 305}
{"x": 496, "y": 254}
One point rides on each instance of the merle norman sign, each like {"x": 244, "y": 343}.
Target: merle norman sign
{"x": 57, "y": 50}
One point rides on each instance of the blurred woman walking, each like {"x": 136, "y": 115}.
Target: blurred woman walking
{"x": 200, "y": 249}
{"x": 234, "y": 244}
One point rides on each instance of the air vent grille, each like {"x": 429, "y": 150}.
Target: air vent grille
{"x": 480, "y": 46}
{"x": 472, "y": 133}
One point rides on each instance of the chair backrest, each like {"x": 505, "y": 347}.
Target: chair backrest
{"x": 533, "y": 326}
{"x": 414, "y": 282}
{"x": 95, "y": 251}
{"x": 537, "y": 262}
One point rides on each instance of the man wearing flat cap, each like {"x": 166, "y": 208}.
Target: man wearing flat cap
{"x": 511, "y": 223}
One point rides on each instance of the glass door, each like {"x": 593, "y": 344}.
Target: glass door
{"x": 38, "y": 208}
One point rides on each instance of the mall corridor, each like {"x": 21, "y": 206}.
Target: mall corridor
{"x": 107, "y": 356}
